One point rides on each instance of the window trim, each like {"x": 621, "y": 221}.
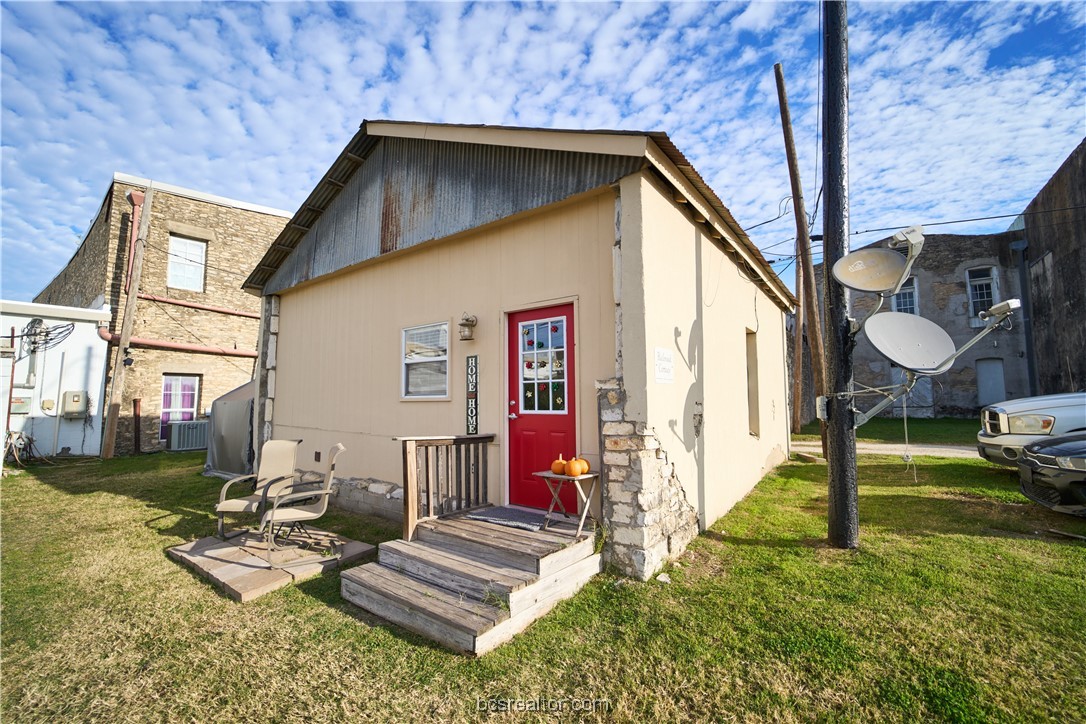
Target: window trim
{"x": 174, "y": 258}
{"x": 195, "y": 403}
{"x": 993, "y": 276}
{"x": 911, "y": 282}
{"x": 404, "y": 397}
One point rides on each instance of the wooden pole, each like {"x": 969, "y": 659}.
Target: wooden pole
{"x": 844, "y": 521}
{"x": 797, "y": 354}
{"x": 116, "y": 392}
{"x": 806, "y": 289}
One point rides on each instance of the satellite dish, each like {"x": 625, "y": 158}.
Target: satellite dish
{"x": 911, "y": 342}
{"x": 870, "y": 270}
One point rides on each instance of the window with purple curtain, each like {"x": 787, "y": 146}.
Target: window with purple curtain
{"x": 180, "y": 395}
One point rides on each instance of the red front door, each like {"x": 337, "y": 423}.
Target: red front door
{"x": 542, "y": 420}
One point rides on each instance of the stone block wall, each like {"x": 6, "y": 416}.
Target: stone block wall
{"x": 1055, "y": 230}
{"x": 236, "y": 240}
{"x": 647, "y": 517}
{"x": 369, "y": 496}
{"x": 218, "y": 375}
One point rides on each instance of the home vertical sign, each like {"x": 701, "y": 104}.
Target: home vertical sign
{"x": 473, "y": 394}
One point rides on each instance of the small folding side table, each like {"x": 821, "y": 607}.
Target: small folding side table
{"x": 554, "y": 484}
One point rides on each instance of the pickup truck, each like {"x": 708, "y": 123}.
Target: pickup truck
{"x": 1007, "y": 427}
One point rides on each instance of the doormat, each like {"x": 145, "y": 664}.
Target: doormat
{"x": 509, "y": 517}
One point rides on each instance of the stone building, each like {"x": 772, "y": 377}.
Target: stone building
{"x": 195, "y": 331}
{"x": 1054, "y": 229}
{"x": 955, "y": 278}
{"x": 1039, "y": 260}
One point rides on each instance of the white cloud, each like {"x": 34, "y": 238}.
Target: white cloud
{"x": 254, "y": 101}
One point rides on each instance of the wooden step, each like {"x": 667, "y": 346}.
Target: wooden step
{"x": 489, "y": 549}
{"x": 458, "y": 623}
{"x": 566, "y": 583}
{"x": 429, "y": 610}
{"x": 472, "y": 585}
{"x": 540, "y": 552}
{"x": 489, "y": 582}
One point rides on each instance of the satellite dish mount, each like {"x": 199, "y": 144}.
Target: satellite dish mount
{"x": 917, "y": 345}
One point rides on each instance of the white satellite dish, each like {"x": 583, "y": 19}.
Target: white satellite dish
{"x": 870, "y": 270}
{"x": 911, "y": 342}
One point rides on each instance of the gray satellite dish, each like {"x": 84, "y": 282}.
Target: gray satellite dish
{"x": 870, "y": 270}
{"x": 911, "y": 342}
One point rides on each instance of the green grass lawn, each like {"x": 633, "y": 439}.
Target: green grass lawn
{"x": 939, "y": 431}
{"x": 958, "y": 606}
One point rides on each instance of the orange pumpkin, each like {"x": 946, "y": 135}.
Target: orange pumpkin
{"x": 558, "y": 467}
{"x": 576, "y": 466}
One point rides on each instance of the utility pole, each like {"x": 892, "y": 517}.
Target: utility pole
{"x": 806, "y": 290}
{"x": 116, "y": 391}
{"x": 797, "y": 352}
{"x": 844, "y": 522}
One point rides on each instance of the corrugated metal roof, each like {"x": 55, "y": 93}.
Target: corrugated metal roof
{"x": 401, "y": 200}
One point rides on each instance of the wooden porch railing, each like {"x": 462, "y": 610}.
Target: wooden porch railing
{"x": 442, "y": 475}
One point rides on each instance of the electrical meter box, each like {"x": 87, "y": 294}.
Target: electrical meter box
{"x": 74, "y": 404}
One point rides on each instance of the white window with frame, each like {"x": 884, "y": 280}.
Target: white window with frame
{"x": 983, "y": 292}
{"x": 188, "y": 257}
{"x": 905, "y": 300}
{"x": 180, "y": 401}
{"x": 426, "y": 362}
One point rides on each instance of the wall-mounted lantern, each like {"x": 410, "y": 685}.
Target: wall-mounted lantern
{"x": 467, "y": 327}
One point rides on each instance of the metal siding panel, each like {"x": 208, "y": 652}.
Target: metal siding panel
{"x": 411, "y": 191}
{"x": 367, "y": 202}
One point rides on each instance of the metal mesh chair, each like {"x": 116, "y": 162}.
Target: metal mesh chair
{"x": 294, "y": 509}
{"x": 275, "y": 473}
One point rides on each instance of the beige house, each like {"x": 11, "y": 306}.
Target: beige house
{"x": 620, "y": 313}
{"x": 195, "y": 332}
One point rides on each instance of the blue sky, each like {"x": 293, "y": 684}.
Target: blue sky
{"x": 958, "y": 109}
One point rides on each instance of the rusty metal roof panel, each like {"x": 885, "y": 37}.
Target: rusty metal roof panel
{"x": 410, "y": 191}
{"x": 399, "y": 187}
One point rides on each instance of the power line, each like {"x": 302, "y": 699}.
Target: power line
{"x": 195, "y": 336}
{"x": 782, "y": 211}
{"x": 979, "y": 218}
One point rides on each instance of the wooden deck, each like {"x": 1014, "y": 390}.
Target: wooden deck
{"x": 239, "y": 566}
{"x": 472, "y": 585}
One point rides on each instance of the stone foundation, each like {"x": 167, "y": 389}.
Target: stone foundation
{"x": 368, "y": 496}
{"x": 645, "y": 510}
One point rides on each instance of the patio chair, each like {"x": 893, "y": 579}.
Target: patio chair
{"x": 294, "y": 509}
{"x": 276, "y": 472}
